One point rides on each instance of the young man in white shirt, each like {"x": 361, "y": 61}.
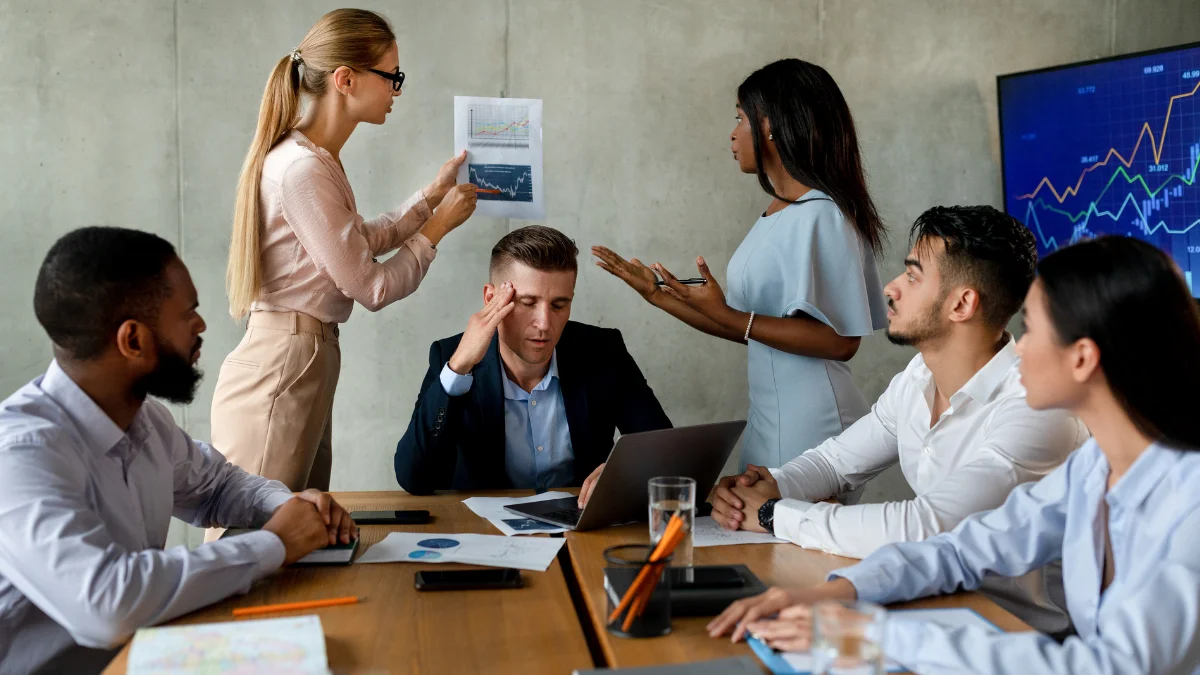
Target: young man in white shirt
{"x": 91, "y": 471}
{"x": 956, "y": 418}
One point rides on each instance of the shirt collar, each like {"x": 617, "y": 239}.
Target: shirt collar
{"x": 988, "y": 379}
{"x": 1143, "y": 476}
{"x": 96, "y": 427}
{"x": 513, "y": 392}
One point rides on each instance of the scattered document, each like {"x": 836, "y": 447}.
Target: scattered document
{"x": 492, "y": 510}
{"x": 522, "y": 553}
{"x": 291, "y": 645}
{"x": 503, "y": 140}
{"x": 706, "y": 532}
{"x": 801, "y": 663}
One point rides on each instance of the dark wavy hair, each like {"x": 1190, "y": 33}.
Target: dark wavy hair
{"x": 814, "y": 134}
{"x": 1131, "y": 300}
{"x": 990, "y": 251}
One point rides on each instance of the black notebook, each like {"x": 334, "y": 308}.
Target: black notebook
{"x": 695, "y": 591}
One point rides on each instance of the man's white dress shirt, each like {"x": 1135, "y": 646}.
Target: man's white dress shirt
{"x": 985, "y": 444}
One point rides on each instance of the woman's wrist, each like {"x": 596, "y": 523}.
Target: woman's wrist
{"x": 434, "y": 195}
{"x": 434, "y": 229}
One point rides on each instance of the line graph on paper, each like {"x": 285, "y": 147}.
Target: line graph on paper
{"x": 514, "y": 181}
{"x": 1110, "y": 147}
{"x": 504, "y": 126}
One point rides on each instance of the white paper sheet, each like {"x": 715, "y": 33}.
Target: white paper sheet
{"x": 503, "y": 140}
{"x": 522, "y": 553}
{"x": 289, "y": 645}
{"x": 492, "y": 510}
{"x": 802, "y": 662}
{"x": 706, "y": 532}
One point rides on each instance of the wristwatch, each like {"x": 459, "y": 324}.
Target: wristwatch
{"x": 766, "y": 515}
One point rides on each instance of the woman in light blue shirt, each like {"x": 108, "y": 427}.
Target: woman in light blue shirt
{"x": 803, "y": 286}
{"x": 1113, "y": 335}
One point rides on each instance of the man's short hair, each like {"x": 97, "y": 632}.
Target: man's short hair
{"x": 987, "y": 250}
{"x": 542, "y": 248}
{"x": 96, "y": 278}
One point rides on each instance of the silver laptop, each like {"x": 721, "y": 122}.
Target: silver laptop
{"x": 621, "y": 496}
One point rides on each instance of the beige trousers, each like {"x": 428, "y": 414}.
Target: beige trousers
{"x": 272, "y": 412}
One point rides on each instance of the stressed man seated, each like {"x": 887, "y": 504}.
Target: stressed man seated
{"x": 956, "y": 419}
{"x": 524, "y": 398}
{"x": 91, "y": 470}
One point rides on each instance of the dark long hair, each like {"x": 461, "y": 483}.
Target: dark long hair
{"x": 1131, "y": 300}
{"x": 814, "y": 134}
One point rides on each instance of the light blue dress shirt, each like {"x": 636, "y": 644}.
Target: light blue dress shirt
{"x": 84, "y": 511}
{"x": 1146, "y": 621}
{"x": 806, "y": 258}
{"x": 537, "y": 438}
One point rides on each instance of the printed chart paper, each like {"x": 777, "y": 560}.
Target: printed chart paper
{"x": 492, "y": 509}
{"x": 522, "y": 553}
{"x": 503, "y": 140}
{"x": 289, "y": 645}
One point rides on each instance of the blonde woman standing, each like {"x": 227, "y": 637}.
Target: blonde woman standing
{"x": 301, "y": 256}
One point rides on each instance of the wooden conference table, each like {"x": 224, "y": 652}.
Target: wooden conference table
{"x": 554, "y": 624}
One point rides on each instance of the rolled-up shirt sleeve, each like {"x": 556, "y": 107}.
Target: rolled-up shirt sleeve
{"x": 343, "y": 247}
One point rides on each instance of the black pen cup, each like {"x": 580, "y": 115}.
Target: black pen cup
{"x": 624, "y": 564}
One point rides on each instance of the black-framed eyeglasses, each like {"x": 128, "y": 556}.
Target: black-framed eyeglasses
{"x": 397, "y": 77}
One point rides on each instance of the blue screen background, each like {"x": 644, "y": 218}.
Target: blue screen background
{"x": 1107, "y": 148}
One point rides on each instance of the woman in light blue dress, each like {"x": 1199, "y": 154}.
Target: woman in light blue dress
{"x": 803, "y": 286}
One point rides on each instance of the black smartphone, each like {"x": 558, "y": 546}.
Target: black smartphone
{"x": 461, "y": 580}
{"x": 390, "y": 517}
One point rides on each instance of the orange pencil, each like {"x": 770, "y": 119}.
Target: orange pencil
{"x": 487, "y": 191}
{"x": 633, "y": 598}
{"x": 289, "y": 606}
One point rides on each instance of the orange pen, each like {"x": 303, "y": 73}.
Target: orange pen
{"x": 289, "y": 606}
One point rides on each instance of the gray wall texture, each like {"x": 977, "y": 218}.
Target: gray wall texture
{"x": 138, "y": 113}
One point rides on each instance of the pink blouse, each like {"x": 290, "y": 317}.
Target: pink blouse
{"x": 318, "y": 254}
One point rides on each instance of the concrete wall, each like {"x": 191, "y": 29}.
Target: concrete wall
{"x": 138, "y": 113}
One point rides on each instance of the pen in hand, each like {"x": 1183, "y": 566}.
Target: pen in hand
{"x": 685, "y": 282}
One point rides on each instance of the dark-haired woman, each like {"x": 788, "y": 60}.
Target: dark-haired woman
{"x": 1112, "y": 335}
{"x": 803, "y": 286}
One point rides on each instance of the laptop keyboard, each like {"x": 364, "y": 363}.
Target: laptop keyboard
{"x": 565, "y": 515}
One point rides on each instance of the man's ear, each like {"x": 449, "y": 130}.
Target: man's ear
{"x": 964, "y": 304}
{"x": 134, "y": 341}
{"x": 489, "y": 292}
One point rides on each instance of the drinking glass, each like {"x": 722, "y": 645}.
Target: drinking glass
{"x": 848, "y": 638}
{"x": 673, "y": 495}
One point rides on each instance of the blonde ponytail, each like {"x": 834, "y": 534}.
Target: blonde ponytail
{"x": 276, "y": 117}
{"x": 344, "y": 37}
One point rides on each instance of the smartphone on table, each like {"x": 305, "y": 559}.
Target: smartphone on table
{"x": 390, "y": 517}
{"x": 462, "y": 580}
